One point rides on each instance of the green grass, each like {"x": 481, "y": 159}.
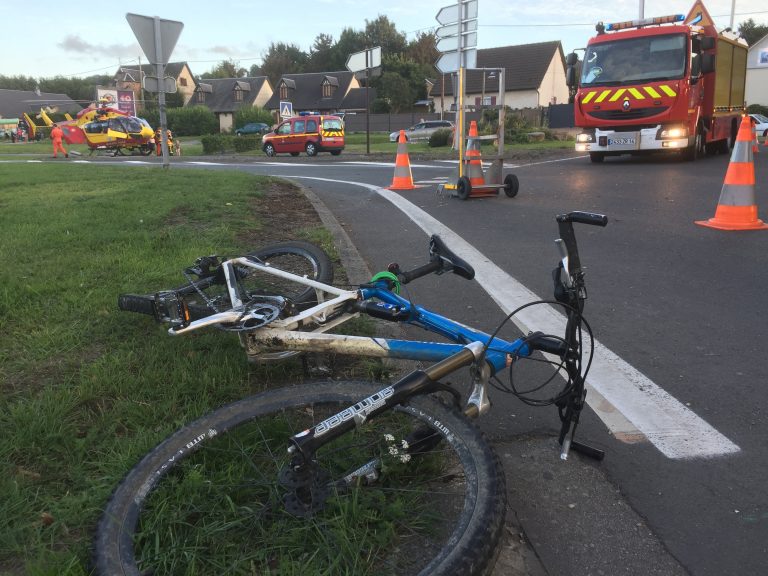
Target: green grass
{"x": 86, "y": 389}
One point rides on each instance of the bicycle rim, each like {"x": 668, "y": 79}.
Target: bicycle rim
{"x": 208, "y": 500}
{"x": 300, "y": 258}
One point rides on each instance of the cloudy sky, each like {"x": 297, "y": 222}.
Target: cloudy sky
{"x": 48, "y": 39}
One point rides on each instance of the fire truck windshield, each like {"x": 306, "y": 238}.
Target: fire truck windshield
{"x": 633, "y": 60}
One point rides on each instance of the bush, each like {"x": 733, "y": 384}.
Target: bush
{"x": 757, "y": 109}
{"x": 192, "y": 121}
{"x": 442, "y": 137}
{"x": 249, "y": 114}
{"x": 222, "y": 143}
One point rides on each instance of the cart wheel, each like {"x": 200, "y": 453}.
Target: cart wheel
{"x": 511, "y": 185}
{"x": 463, "y": 188}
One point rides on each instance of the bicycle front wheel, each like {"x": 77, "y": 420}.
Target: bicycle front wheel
{"x": 209, "y": 499}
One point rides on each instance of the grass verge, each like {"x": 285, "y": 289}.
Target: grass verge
{"x": 86, "y": 389}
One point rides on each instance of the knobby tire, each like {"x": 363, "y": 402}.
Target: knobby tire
{"x": 207, "y": 499}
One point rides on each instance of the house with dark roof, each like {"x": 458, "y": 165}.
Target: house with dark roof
{"x": 131, "y": 78}
{"x": 225, "y": 96}
{"x": 534, "y": 75}
{"x": 14, "y": 103}
{"x": 323, "y": 92}
{"x": 757, "y": 73}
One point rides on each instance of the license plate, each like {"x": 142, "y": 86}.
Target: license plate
{"x": 621, "y": 141}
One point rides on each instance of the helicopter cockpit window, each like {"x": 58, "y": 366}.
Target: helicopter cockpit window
{"x": 96, "y": 127}
{"x": 131, "y": 124}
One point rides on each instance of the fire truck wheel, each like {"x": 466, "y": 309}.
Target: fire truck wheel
{"x": 596, "y": 157}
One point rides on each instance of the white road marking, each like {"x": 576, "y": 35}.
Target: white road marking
{"x": 627, "y": 401}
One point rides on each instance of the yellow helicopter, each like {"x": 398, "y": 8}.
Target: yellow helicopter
{"x": 102, "y": 127}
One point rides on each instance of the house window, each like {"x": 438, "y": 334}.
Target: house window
{"x": 183, "y": 81}
{"x": 201, "y": 96}
{"x": 327, "y": 90}
{"x": 283, "y": 92}
{"x": 238, "y": 95}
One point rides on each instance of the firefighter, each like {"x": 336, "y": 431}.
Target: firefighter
{"x": 56, "y": 135}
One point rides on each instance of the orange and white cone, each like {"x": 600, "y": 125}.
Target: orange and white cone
{"x": 403, "y": 179}
{"x": 755, "y": 141}
{"x": 736, "y": 209}
{"x": 473, "y": 157}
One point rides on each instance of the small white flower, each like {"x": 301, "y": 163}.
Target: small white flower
{"x": 389, "y": 438}
{"x": 404, "y": 444}
{"x": 405, "y": 458}
{"x": 393, "y": 451}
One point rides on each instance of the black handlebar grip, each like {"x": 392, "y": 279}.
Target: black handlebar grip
{"x": 412, "y": 275}
{"x": 592, "y": 218}
{"x": 136, "y": 303}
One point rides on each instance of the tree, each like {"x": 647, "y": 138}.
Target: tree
{"x": 226, "y": 69}
{"x": 397, "y": 91}
{"x": 752, "y": 32}
{"x": 282, "y": 59}
{"x": 423, "y": 49}
{"x": 321, "y": 54}
{"x": 350, "y": 41}
{"x": 382, "y": 32}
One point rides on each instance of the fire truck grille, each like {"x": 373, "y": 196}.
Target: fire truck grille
{"x": 634, "y": 114}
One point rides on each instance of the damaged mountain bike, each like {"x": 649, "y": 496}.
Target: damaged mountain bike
{"x": 338, "y": 477}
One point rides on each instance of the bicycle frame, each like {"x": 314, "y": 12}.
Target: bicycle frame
{"x": 307, "y": 330}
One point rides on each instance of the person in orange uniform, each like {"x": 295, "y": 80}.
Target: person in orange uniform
{"x": 56, "y": 135}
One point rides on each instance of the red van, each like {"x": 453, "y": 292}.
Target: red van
{"x": 310, "y": 134}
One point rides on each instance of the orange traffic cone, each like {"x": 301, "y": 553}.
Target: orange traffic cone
{"x": 403, "y": 179}
{"x": 755, "y": 141}
{"x": 736, "y": 209}
{"x": 473, "y": 157}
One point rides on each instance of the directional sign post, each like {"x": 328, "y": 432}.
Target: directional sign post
{"x": 157, "y": 38}
{"x": 458, "y": 44}
{"x": 366, "y": 60}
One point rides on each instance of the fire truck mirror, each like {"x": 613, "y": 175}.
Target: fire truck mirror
{"x": 571, "y": 59}
{"x": 707, "y": 63}
{"x": 707, "y": 43}
{"x": 570, "y": 76}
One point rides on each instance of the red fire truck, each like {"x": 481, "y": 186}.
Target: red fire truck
{"x": 668, "y": 84}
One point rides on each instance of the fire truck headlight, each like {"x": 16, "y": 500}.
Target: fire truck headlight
{"x": 585, "y": 137}
{"x": 673, "y": 132}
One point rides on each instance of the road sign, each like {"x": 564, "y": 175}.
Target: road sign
{"x": 449, "y": 62}
{"x": 151, "y": 84}
{"x": 156, "y": 36}
{"x": 286, "y": 109}
{"x": 451, "y": 14}
{"x": 452, "y": 42}
{"x": 453, "y": 29}
{"x": 370, "y": 58}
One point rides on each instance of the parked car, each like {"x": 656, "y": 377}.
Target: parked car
{"x": 252, "y": 128}
{"x": 422, "y": 130}
{"x": 762, "y": 124}
{"x": 310, "y": 134}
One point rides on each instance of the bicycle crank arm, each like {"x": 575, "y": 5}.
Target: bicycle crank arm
{"x": 581, "y": 448}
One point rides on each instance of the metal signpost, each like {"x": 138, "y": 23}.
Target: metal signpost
{"x": 458, "y": 43}
{"x": 157, "y": 38}
{"x": 366, "y": 60}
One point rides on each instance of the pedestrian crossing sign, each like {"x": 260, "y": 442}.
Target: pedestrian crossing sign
{"x": 286, "y": 109}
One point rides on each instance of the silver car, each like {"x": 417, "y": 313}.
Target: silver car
{"x": 761, "y": 124}
{"x": 422, "y": 130}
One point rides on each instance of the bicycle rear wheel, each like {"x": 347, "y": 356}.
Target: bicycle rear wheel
{"x": 207, "y": 500}
{"x": 208, "y": 295}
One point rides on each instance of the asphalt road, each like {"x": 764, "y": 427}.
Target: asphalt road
{"x": 679, "y": 378}
{"x": 682, "y": 304}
